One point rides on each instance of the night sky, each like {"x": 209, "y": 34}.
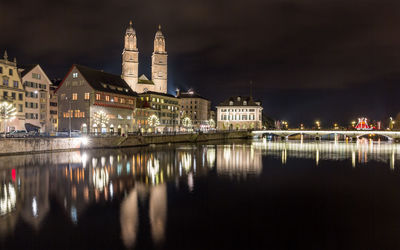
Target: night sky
{"x": 327, "y": 60}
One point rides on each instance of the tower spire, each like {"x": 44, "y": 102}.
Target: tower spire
{"x": 5, "y": 55}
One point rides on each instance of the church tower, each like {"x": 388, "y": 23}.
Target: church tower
{"x": 159, "y": 63}
{"x": 130, "y": 58}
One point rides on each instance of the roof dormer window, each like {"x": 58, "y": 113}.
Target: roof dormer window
{"x": 231, "y": 103}
{"x": 244, "y": 103}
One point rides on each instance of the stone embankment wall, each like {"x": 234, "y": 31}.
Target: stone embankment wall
{"x": 36, "y": 145}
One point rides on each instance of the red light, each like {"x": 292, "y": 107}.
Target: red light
{"x": 13, "y": 174}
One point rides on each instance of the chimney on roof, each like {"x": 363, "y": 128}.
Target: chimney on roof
{"x": 178, "y": 92}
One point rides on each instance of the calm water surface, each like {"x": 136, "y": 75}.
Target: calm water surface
{"x": 228, "y": 195}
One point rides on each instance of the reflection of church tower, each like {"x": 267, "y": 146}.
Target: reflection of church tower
{"x": 130, "y": 58}
{"x": 159, "y": 63}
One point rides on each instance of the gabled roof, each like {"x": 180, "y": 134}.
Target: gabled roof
{"x": 27, "y": 68}
{"x": 102, "y": 81}
{"x": 144, "y": 80}
{"x": 238, "y": 101}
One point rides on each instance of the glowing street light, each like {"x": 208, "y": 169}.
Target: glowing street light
{"x": 318, "y": 125}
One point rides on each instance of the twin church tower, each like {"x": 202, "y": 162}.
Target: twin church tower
{"x": 130, "y": 63}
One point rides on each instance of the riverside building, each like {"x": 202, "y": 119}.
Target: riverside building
{"x": 239, "y": 112}
{"x": 197, "y": 109}
{"x": 12, "y": 91}
{"x": 37, "y": 98}
{"x": 93, "y": 101}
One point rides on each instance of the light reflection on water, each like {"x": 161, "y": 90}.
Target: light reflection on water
{"x": 139, "y": 177}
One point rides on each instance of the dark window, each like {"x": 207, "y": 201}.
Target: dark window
{"x": 15, "y": 84}
{"x": 10, "y": 72}
{"x": 20, "y": 96}
{"x": 1, "y": 70}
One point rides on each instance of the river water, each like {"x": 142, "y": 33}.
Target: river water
{"x": 230, "y": 195}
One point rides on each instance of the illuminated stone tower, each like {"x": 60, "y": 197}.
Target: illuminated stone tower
{"x": 130, "y": 58}
{"x": 159, "y": 63}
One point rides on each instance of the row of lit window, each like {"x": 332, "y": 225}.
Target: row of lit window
{"x": 237, "y": 110}
{"x": 74, "y": 113}
{"x": 114, "y": 99}
{"x": 160, "y": 100}
{"x": 237, "y": 117}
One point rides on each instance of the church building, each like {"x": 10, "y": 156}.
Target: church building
{"x": 130, "y": 64}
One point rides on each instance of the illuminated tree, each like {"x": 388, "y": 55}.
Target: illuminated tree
{"x": 186, "y": 122}
{"x": 211, "y": 122}
{"x": 153, "y": 121}
{"x": 7, "y": 113}
{"x": 101, "y": 118}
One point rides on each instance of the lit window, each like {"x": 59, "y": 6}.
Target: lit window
{"x": 107, "y": 98}
{"x": 115, "y": 99}
{"x": 74, "y": 96}
{"x": 87, "y": 96}
{"x": 74, "y": 75}
{"x": 98, "y": 97}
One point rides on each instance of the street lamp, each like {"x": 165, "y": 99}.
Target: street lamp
{"x": 318, "y": 125}
{"x": 335, "y": 126}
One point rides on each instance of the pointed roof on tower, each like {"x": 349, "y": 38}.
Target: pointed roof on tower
{"x": 130, "y": 29}
{"x": 159, "y": 32}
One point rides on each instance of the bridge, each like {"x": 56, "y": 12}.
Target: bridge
{"x": 317, "y": 134}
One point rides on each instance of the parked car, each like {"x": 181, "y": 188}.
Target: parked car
{"x": 18, "y": 134}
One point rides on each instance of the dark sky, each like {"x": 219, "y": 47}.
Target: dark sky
{"x": 327, "y": 60}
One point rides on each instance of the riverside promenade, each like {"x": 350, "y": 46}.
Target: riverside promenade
{"x": 10, "y": 146}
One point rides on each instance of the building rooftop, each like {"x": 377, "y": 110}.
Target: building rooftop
{"x": 156, "y": 93}
{"x": 105, "y": 82}
{"x": 144, "y": 80}
{"x": 240, "y": 101}
{"x": 26, "y": 68}
{"x": 190, "y": 94}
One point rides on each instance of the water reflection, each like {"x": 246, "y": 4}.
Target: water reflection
{"x": 238, "y": 160}
{"x": 138, "y": 178}
{"x": 359, "y": 153}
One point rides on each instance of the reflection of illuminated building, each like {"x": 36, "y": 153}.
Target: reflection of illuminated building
{"x": 129, "y": 219}
{"x": 8, "y": 198}
{"x": 361, "y": 152}
{"x": 238, "y": 160}
{"x": 35, "y": 201}
{"x": 157, "y": 198}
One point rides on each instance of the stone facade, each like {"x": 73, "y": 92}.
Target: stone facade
{"x": 130, "y": 64}
{"x": 166, "y": 108}
{"x": 239, "y": 112}
{"x": 94, "y": 101}
{"x": 197, "y": 108}
{"x": 12, "y": 91}
{"x": 37, "y": 97}
{"x": 130, "y": 58}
